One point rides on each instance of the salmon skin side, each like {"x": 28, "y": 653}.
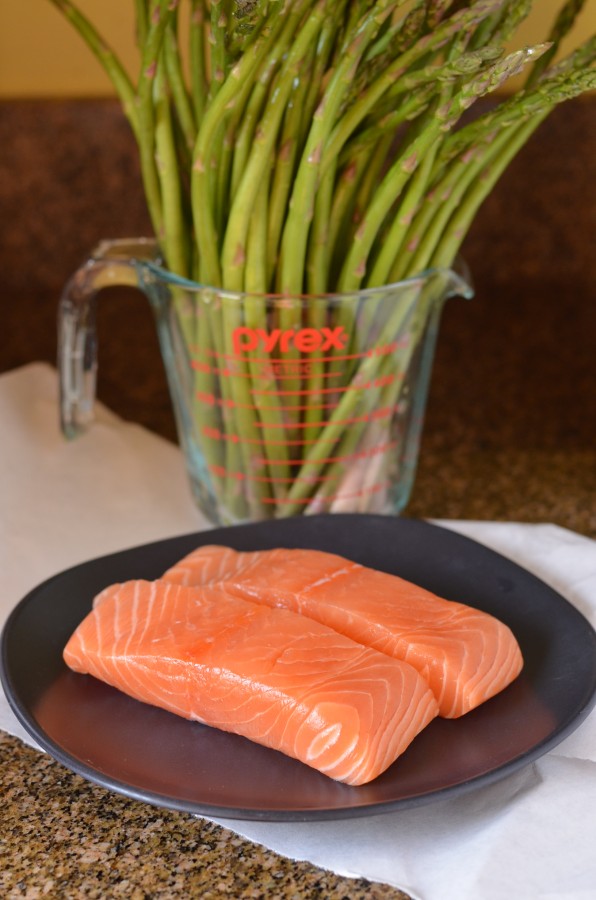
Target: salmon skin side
{"x": 280, "y": 679}
{"x": 466, "y": 656}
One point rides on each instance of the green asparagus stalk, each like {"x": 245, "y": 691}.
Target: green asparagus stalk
{"x": 289, "y": 144}
{"x": 556, "y": 89}
{"x": 258, "y": 161}
{"x": 106, "y": 58}
{"x": 443, "y": 118}
{"x": 198, "y": 71}
{"x": 392, "y": 246}
{"x": 175, "y": 242}
{"x": 562, "y": 25}
{"x": 294, "y": 241}
{"x": 396, "y": 74}
{"x": 180, "y": 94}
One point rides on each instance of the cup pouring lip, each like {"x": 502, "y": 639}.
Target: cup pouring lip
{"x": 146, "y": 255}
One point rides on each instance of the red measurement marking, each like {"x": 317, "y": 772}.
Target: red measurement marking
{"x": 374, "y": 416}
{"x": 306, "y": 391}
{"x": 211, "y": 400}
{"x": 222, "y": 472}
{"x": 278, "y": 369}
{"x": 373, "y": 489}
{"x": 382, "y": 381}
{"x": 296, "y": 369}
{"x": 206, "y": 369}
{"x": 218, "y": 435}
{"x": 378, "y": 450}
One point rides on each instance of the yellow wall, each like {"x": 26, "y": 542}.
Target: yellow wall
{"x": 41, "y": 56}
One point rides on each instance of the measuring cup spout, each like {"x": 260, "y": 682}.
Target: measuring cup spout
{"x": 458, "y": 281}
{"x": 112, "y": 263}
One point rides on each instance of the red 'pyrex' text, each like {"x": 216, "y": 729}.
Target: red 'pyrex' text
{"x": 305, "y": 340}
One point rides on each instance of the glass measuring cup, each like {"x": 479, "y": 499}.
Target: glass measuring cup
{"x": 284, "y": 405}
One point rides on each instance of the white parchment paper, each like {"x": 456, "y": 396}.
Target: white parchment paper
{"x": 531, "y": 836}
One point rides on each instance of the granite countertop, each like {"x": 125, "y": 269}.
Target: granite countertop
{"x": 510, "y": 434}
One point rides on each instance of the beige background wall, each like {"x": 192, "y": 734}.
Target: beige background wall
{"x": 41, "y": 56}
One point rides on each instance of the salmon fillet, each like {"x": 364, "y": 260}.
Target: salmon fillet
{"x": 465, "y": 655}
{"x": 280, "y": 679}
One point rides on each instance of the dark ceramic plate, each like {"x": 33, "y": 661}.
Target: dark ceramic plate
{"x": 157, "y": 757}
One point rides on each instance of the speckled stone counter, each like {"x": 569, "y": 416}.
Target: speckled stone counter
{"x": 510, "y": 434}
{"x": 64, "y": 837}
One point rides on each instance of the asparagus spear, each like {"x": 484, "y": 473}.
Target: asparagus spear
{"x": 198, "y": 63}
{"x": 106, "y": 57}
{"x": 294, "y": 240}
{"x": 442, "y": 119}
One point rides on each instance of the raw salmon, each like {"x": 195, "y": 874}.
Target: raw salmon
{"x": 275, "y": 677}
{"x": 466, "y": 655}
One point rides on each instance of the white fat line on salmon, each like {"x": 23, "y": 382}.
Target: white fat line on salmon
{"x": 326, "y": 579}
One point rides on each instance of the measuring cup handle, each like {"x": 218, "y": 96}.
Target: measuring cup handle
{"x": 112, "y": 263}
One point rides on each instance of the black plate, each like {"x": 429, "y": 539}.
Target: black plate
{"x": 157, "y": 757}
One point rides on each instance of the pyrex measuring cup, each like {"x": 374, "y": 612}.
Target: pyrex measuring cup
{"x": 284, "y": 405}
